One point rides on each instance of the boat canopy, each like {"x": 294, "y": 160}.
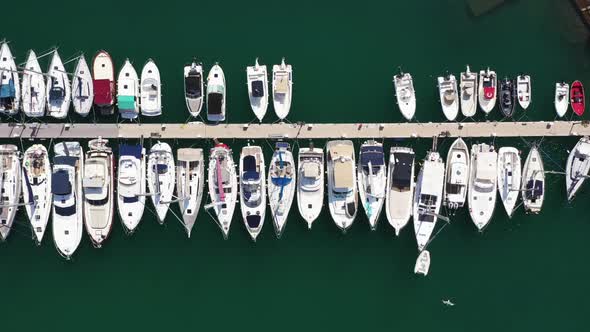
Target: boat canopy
{"x": 372, "y": 154}
{"x": 257, "y": 89}
{"x": 126, "y": 102}
{"x": 60, "y": 183}
{"x": 214, "y": 103}
{"x": 192, "y": 84}
{"x": 534, "y": 189}
{"x": 8, "y": 90}
{"x": 250, "y": 172}
{"x": 402, "y": 170}
{"x": 282, "y": 82}
{"x": 102, "y": 92}
{"x": 130, "y": 150}
{"x": 161, "y": 168}
{"x": 57, "y": 92}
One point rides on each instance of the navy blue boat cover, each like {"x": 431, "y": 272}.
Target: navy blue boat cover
{"x": 257, "y": 89}
{"x": 60, "y": 183}
{"x": 373, "y": 154}
{"x": 282, "y": 145}
{"x": 130, "y": 150}
{"x": 250, "y": 168}
{"x": 65, "y": 160}
{"x": 253, "y": 221}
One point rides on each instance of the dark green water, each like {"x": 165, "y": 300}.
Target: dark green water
{"x": 528, "y": 273}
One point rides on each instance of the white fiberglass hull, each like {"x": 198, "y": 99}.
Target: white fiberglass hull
{"x": 578, "y": 166}
{"x": 533, "y": 182}
{"x": 405, "y": 95}
{"x": 447, "y": 89}
{"x": 342, "y": 183}
{"x": 36, "y": 188}
{"x": 372, "y": 180}
{"x": 11, "y": 187}
{"x": 258, "y": 89}
{"x": 481, "y": 195}
{"x": 58, "y": 89}
{"x": 457, "y": 175}
{"x": 82, "y": 88}
{"x": 194, "y": 88}
{"x": 430, "y": 183}
{"x": 282, "y": 89}
{"x": 131, "y": 187}
{"x": 223, "y": 186}
{"x": 562, "y": 92}
{"x": 161, "y": 176}
{"x": 509, "y": 177}
{"x": 523, "y": 90}
{"x": 151, "y": 90}
{"x": 468, "y": 87}
{"x": 33, "y": 88}
{"x": 128, "y": 89}
{"x": 399, "y": 196}
{"x": 487, "y": 99}
{"x": 10, "y": 77}
{"x": 216, "y": 94}
{"x": 189, "y": 185}
{"x": 310, "y": 184}
{"x": 282, "y": 179}
{"x": 252, "y": 189}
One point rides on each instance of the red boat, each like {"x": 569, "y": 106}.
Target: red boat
{"x": 577, "y": 97}
{"x": 103, "y": 80}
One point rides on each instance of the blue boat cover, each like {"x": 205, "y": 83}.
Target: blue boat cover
{"x": 257, "y": 89}
{"x": 29, "y": 188}
{"x": 282, "y": 145}
{"x": 373, "y": 154}
{"x": 65, "y": 160}
{"x": 402, "y": 170}
{"x": 7, "y": 90}
{"x": 282, "y": 181}
{"x": 130, "y": 199}
{"x": 162, "y": 168}
{"x": 60, "y": 183}
{"x": 250, "y": 169}
{"x": 253, "y": 221}
{"x": 65, "y": 211}
{"x": 130, "y": 150}
{"x": 534, "y": 189}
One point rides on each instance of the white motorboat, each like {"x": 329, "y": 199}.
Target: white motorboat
{"x": 131, "y": 186}
{"x": 161, "y": 176}
{"x": 533, "y": 182}
{"x": 223, "y": 186}
{"x": 11, "y": 187}
{"x": 128, "y": 92}
{"x": 58, "y": 90}
{"x": 68, "y": 201}
{"x": 189, "y": 185}
{"x": 405, "y": 94}
{"x": 342, "y": 190}
{"x": 151, "y": 89}
{"x": 103, "y": 80}
{"x": 488, "y": 86}
{"x": 562, "y": 93}
{"x": 33, "y": 92}
{"x": 282, "y": 88}
{"x": 9, "y": 82}
{"x": 216, "y": 94}
{"x": 399, "y": 196}
{"x": 36, "y": 188}
{"x": 468, "y": 88}
{"x": 447, "y": 90}
{"x": 97, "y": 184}
{"x": 509, "y": 176}
{"x": 252, "y": 189}
{"x": 258, "y": 89}
{"x": 578, "y": 166}
{"x": 310, "y": 183}
{"x": 523, "y": 90}
{"x": 428, "y": 198}
{"x": 82, "y": 88}
{"x": 422, "y": 263}
{"x": 372, "y": 180}
{"x": 457, "y": 175}
{"x": 194, "y": 88}
{"x": 281, "y": 185}
{"x": 482, "y": 184}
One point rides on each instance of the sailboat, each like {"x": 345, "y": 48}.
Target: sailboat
{"x": 161, "y": 176}
{"x": 252, "y": 189}
{"x": 68, "y": 203}
{"x": 399, "y": 195}
{"x": 488, "y": 83}
{"x": 509, "y": 176}
{"x": 98, "y": 190}
{"x": 193, "y": 88}
{"x": 468, "y": 88}
{"x": 151, "y": 89}
{"x": 131, "y": 186}
{"x": 405, "y": 94}
{"x": 578, "y": 166}
{"x": 523, "y": 86}
{"x": 58, "y": 89}
{"x": 11, "y": 187}
{"x": 82, "y": 88}
{"x": 562, "y": 91}
{"x": 310, "y": 183}
{"x": 36, "y": 189}
{"x": 223, "y": 186}
{"x": 258, "y": 89}
{"x": 33, "y": 92}
{"x": 372, "y": 180}
{"x": 457, "y": 175}
{"x": 507, "y": 96}
{"x": 447, "y": 89}
{"x": 103, "y": 82}
{"x": 216, "y": 94}
{"x": 281, "y": 185}
{"x": 128, "y": 92}
{"x": 342, "y": 190}
{"x": 482, "y": 184}
{"x": 9, "y": 82}
{"x": 533, "y": 182}
{"x": 577, "y": 98}
{"x": 189, "y": 185}
{"x": 282, "y": 88}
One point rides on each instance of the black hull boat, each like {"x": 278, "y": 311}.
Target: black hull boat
{"x": 507, "y": 97}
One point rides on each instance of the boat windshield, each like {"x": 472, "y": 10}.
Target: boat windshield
{"x": 65, "y": 211}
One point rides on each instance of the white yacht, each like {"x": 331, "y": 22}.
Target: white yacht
{"x": 9, "y": 82}
{"x": 97, "y": 184}
{"x": 281, "y": 185}
{"x": 82, "y": 88}
{"x": 258, "y": 89}
{"x": 282, "y": 89}
{"x": 252, "y": 189}
{"x": 58, "y": 90}
{"x": 468, "y": 88}
{"x": 223, "y": 186}
{"x": 533, "y": 182}
{"x": 151, "y": 89}
{"x": 578, "y": 166}
{"x": 310, "y": 183}
{"x": 488, "y": 83}
{"x": 399, "y": 196}
{"x": 68, "y": 202}
{"x": 482, "y": 184}
{"x": 447, "y": 90}
{"x": 103, "y": 81}
{"x": 36, "y": 189}
{"x": 562, "y": 93}
{"x": 342, "y": 190}
{"x": 523, "y": 90}
{"x": 128, "y": 92}
{"x": 216, "y": 94}
{"x": 457, "y": 175}
{"x": 33, "y": 92}
{"x": 372, "y": 180}
{"x": 509, "y": 169}
{"x": 189, "y": 185}
{"x": 131, "y": 186}
{"x": 161, "y": 176}
{"x": 11, "y": 187}
{"x": 194, "y": 88}
{"x": 405, "y": 94}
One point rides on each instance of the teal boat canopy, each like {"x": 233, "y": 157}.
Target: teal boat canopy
{"x": 126, "y": 102}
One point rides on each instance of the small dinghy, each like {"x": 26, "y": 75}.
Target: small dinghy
{"x": 151, "y": 89}
{"x": 68, "y": 201}
{"x": 372, "y": 180}
{"x": 216, "y": 94}
{"x": 310, "y": 183}
{"x": 258, "y": 89}
{"x": 523, "y": 87}
{"x": 282, "y": 89}
{"x": 193, "y": 88}
{"x": 131, "y": 187}
{"x": 509, "y": 177}
{"x": 252, "y": 189}
{"x": 577, "y": 168}
{"x": 189, "y": 185}
{"x": 405, "y": 94}
{"x": 422, "y": 263}
{"x": 9, "y": 82}
{"x": 507, "y": 97}
{"x": 577, "y": 98}
{"x": 487, "y": 90}
{"x": 11, "y": 187}
{"x": 481, "y": 194}
{"x": 447, "y": 89}
{"x": 58, "y": 89}
{"x": 399, "y": 195}
{"x": 82, "y": 88}
{"x": 457, "y": 175}
{"x": 533, "y": 182}
{"x": 562, "y": 91}
{"x": 33, "y": 92}
{"x": 36, "y": 188}
{"x": 223, "y": 186}
{"x": 342, "y": 190}
{"x": 103, "y": 81}
{"x": 128, "y": 92}
{"x": 98, "y": 191}
{"x": 281, "y": 185}
{"x": 468, "y": 88}
{"x": 161, "y": 175}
